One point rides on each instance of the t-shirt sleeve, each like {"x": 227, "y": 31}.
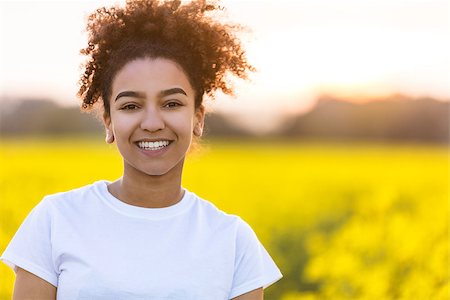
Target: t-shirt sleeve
{"x": 31, "y": 247}
{"x": 254, "y": 268}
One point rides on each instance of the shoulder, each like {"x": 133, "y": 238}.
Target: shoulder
{"x": 76, "y": 197}
{"x": 208, "y": 211}
{"x": 226, "y": 225}
{"x": 78, "y": 191}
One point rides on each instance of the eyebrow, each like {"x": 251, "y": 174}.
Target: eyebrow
{"x": 130, "y": 94}
{"x": 161, "y": 94}
{"x": 172, "y": 91}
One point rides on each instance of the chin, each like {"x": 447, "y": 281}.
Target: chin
{"x": 156, "y": 173}
{"x": 158, "y": 170}
{"x": 140, "y": 168}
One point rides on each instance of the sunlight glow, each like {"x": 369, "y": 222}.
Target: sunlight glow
{"x": 300, "y": 48}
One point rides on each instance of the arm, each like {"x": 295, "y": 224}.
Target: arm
{"x": 257, "y": 294}
{"x": 29, "y": 286}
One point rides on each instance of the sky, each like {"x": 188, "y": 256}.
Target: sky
{"x": 301, "y": 49}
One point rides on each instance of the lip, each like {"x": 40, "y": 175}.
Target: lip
{"x": 153, "y": 140}
{"x": 153, "y": 153}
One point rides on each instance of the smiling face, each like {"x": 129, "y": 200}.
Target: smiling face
{"x": 153, "y": 116}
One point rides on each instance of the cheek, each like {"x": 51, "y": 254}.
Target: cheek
{"x": 121, "y": 124}
{"x": 183, "y": 124}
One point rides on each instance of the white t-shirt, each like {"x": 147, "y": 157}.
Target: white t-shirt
{"x": 91, "y": 245}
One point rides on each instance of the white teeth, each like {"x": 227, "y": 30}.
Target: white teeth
{"x": 153, "y": 145}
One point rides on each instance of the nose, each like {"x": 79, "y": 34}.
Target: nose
{"x": 152, "y": 120}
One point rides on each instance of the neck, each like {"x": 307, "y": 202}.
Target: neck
{"x": 150, "y": 191}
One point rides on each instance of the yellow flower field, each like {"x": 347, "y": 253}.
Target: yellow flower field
{"x": 341, "y": 220}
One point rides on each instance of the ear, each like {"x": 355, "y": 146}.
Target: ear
{"x": 199, "y": 121}
{"x": 108, "y": 128}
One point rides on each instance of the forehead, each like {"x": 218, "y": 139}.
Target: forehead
{"x": 150, "y": 74}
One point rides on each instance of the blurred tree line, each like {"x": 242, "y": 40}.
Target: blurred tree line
{"x": 390, "y": 119}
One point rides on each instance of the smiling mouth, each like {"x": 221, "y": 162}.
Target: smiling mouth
{"x": 153, "y": 146}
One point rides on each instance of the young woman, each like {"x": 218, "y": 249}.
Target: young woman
{"x": 144, "y": 236}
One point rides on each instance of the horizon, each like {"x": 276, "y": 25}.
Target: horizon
{"x": 324, "y": 100}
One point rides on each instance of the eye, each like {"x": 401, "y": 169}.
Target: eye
{"x": 129, "y": 106}
{"x": 172, "y": 104}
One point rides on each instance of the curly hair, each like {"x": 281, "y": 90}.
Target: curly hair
{"x": 205, "y": 49}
